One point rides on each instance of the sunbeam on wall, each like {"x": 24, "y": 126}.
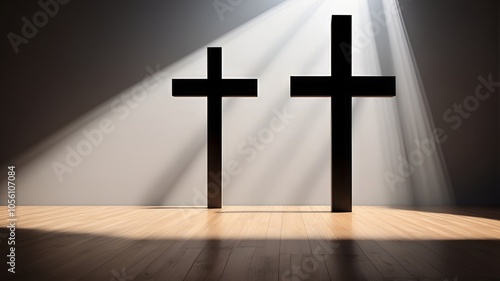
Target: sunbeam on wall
{"x": 145, "y": 147}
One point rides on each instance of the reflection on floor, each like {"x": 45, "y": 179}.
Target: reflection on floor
{"x": 254, "y": 243}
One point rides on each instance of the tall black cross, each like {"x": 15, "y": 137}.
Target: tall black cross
{"x": 214, "y": 88}
{"x": 341, "y": 86}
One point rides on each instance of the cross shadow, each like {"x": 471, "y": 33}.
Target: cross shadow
{"x": 271, "y": 212}
{"x": 53, "y": 255}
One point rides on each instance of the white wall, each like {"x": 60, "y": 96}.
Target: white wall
{"x": 151, "y": 148}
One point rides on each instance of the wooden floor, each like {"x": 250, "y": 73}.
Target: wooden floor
{"x": 254, "y": 243}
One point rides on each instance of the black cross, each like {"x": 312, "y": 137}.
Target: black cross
{"x": 214, "y": 88}
{"x": 341, "y": 86}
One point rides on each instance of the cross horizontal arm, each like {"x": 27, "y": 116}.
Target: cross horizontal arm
{"x": 310, "y": 86}
{"x": 190, "y": 87}
{"x": 373, "y": 86}
{"x": 224, "y": 87}
{"x": 238, "y": 87}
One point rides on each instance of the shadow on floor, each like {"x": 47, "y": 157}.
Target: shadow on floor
{"x": 479, "y": 212}
{"x": 47, "y": 255}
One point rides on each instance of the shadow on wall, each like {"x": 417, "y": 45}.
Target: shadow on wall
{"x": 451, "y": 71}
{"x": 69, "y": 256}
{"x": 59, "y": 61}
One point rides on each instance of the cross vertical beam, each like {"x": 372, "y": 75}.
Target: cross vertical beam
{"x": 341, "y": 86}
{"x": 214, "y": 129}
{"x": 341, "y": 37}
{"x": 341, "y": 106}
{"x": 214, "y": 88}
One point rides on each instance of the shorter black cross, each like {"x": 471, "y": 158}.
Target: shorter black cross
{"x": 214, "y": 88}
{"x": 341, "y": 86}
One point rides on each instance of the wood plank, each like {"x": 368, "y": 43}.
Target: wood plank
{"x": 209, "y": 265}
{"x": 238, "y": 264}
{"x": 257, "y": 243}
